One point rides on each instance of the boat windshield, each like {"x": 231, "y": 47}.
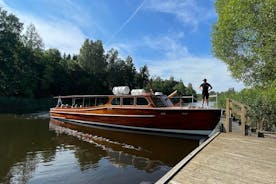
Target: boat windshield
{"x": 82, "y": 101}
{"x": 162, "y": 101}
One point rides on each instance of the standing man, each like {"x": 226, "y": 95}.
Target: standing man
{"x": 205, "y": 87}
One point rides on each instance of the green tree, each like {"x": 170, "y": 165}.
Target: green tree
{"x": 181, "y": 88}
{"x": 91, "y": 57}
{"x": 32, "y": 39}
{"x": 10, "y": 45}
{"x": 244, "y": 38}
{"x": 120, "y": 72}
{"x": 190, "y": 90}
{"x": 130, "y": 72}
{"x": 142, "y": 77}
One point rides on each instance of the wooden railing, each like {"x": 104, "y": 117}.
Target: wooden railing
{"x": 235, "y": 108}
{"x": 194, "y": 99}
{"x": 181, "y": 99}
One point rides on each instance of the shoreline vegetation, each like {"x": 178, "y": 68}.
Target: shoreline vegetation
{"x": 244, "y": 39}
{"x": 30, "y": 74}
{"x": 19, "y": 105}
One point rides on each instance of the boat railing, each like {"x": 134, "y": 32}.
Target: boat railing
{"x": 193, "y": 101}
{"x": 182, "y": 100}
{"x": 80, "y": 101}
{"x": 216, "y": 97}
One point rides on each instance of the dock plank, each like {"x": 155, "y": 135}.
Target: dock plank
{"x": 232, "y": 159}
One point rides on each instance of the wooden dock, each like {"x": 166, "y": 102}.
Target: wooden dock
{"x": 228, "y": 158}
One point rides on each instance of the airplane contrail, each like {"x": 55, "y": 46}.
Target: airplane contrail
{"x": 127, "y": 21}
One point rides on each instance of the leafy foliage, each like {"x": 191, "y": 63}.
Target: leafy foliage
{"x": 27, "y": 70}
{"x": 31, "y": 38}
{"x": 169, "y": 85}
{"x": 262, "y": 103}
{"x": 244, "y": 38}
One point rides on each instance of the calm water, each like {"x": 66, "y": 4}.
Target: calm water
{"x": 34, "y": 150}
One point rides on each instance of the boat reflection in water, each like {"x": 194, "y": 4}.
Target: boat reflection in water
{"x": 35, "y": 151}
{"x": 146, "y": 153}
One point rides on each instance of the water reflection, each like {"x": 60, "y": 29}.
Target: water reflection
{"x": 167, "y": 150}
{"x": 21, "y": 142}
{"x": 36, "y": 151}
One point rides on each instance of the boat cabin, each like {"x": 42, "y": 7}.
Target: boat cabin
{"x": 85, "y": 101}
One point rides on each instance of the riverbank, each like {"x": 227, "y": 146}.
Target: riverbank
{"x": 20, "y": 105}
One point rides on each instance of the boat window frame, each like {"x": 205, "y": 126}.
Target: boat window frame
{"x": 148, "y": 103}
{"x": 120, "y": 104}
{"x": 158, "y": 101}
{"x": 131, "y": 97}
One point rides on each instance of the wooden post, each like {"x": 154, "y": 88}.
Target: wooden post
{"x": 243, "y": 120}
{"x": 227, "y": 118}
{"x": 216, "y": 100}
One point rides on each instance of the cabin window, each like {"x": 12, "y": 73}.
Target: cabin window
{"x": 79, "y": 102}
{"x": 158, "y": 101}
{"x": 162, "y": 101}
{"x": 96, "y": 101}
{"x": 102, "y": 100}
{"x": 86, "y": 102}
{"x": 66, "y": 101}
{"x": 115, "y": 101}
{"x": 128, "y": 101}
{"x": 141, "y": 101}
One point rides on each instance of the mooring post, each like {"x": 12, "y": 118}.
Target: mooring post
{"x": 243, "y": 120}
{"x": 227, "y": 118}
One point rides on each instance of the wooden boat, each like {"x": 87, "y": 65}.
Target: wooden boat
{"x": 142, "y": 112}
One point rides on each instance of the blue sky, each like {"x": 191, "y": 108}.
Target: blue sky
{"x": 172, "y": 37}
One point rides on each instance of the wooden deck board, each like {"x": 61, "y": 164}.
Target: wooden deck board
{"x": 232, "y": 159}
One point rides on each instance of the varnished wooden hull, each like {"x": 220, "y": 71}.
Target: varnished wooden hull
{"x": 167, "y": 120}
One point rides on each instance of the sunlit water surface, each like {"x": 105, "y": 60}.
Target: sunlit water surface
{"x": 35, "y": 150}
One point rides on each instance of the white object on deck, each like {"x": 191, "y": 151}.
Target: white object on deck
{"x": 121, "y": 90}
{"x": 158, "y": 93}
{"x": 137, "y": 91}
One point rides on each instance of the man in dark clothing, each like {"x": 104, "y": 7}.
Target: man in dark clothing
{"x": 205, "y": 87}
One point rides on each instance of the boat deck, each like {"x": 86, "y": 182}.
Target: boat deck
{"x": 231, "y": 159}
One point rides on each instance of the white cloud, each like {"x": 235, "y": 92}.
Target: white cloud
{"x": 168, "y": 44}
{"x": 56, "y": 33}
{"x": 3, "y": 4}
{"x": 61, "y": 35}
{"x": 124, "y": 49}
{"x": 178, "y": 62}
{"x": 188, "y": 12}
{"x": 194, "y": 69}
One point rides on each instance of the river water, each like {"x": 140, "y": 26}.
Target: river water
{"x": 37, "y": 150}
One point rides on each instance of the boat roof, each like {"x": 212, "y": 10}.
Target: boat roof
{"x": 91, "y": 96}
{"x": 128, "y": 95}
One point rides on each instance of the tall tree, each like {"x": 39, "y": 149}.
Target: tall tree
{"x": 32, "y": 39}
{"x": 91, "y": 57}
{"x": 190, "y": 90}
{"x": 142, "y": 78}
{"x": 181, "y": 88}
{"x": 130, "y": 72}
{"x": 10, "y": 30}
{"x": 244, "y": 38}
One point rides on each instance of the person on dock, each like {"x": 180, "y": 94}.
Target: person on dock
{"x": 205, "y": 87}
